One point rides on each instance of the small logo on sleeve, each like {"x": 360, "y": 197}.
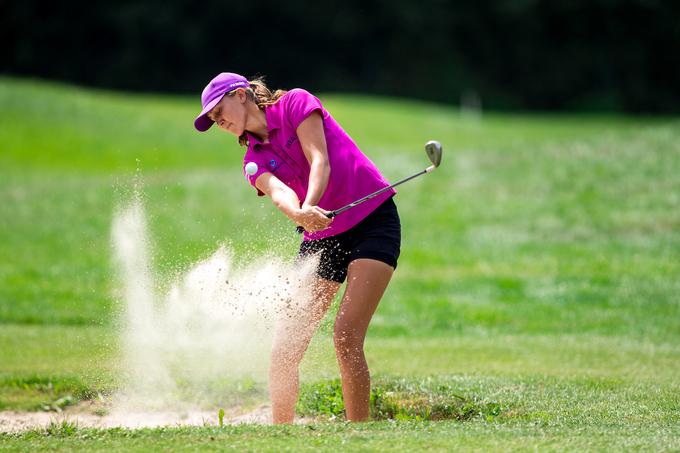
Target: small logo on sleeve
{"x": 290, "y": 141}
{"x": 272, "y": 164}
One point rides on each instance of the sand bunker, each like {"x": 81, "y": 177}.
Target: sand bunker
{"x": 83, "y": 416}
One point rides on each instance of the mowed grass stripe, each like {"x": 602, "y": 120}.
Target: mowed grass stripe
{"x": 78, "y": 351}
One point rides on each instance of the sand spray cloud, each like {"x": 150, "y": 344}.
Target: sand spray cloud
{"x": 210, "y": 332}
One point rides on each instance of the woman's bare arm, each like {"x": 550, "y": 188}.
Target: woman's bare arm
{"x": 311, "y": 218}
{"x": 313, "y": 142}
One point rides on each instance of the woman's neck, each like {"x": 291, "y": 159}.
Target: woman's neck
{"x": 257, "y": 123}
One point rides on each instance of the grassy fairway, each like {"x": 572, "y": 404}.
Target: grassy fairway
{"x": 540, "y": 266}
{"x": 442, "y": 436}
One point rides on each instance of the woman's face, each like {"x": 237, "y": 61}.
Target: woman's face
{"x": 230, "y": 113}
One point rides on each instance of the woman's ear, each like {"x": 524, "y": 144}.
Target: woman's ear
{"x": 241, "y": 95}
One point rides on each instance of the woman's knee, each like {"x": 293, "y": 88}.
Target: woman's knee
{"x": 349, "y": 343}
{"x": 287, "y": 354}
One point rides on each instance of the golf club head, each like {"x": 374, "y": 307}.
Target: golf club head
{"x": 434, "y": 152}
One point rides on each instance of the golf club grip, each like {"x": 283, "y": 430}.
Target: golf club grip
{"x": 330, "y": 215}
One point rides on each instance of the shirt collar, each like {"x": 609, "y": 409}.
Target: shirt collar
{"x": 272, "y": 124}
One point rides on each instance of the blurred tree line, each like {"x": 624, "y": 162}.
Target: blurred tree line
{"x": 619, "y": 55}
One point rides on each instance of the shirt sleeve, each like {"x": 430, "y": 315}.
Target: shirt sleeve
{"x": 299, "y": 105}
{"x": 261, "y": 168}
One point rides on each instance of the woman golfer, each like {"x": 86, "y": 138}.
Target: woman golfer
{"x": 308, "y": 165}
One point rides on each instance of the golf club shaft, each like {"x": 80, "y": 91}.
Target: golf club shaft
{"x": 374, "y": 194}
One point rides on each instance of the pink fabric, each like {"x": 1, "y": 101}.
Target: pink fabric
{"x": 352, "y": 175}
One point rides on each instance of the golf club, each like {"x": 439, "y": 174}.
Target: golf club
{"x": 433, "y": 149}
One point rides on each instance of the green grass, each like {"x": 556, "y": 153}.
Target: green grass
{"x": 405, "y": 436}
{"x": 539, "y": 268}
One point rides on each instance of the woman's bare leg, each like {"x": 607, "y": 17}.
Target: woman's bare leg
{"x": 293, "y": 333}
{"x": 366, "y": 283}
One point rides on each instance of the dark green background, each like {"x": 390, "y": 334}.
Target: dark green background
{"x": 616, "y": 55}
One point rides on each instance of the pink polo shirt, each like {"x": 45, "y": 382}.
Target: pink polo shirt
{"x": 352, "y": 175}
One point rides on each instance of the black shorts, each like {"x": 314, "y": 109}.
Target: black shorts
{"x": 377, "y": 237}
